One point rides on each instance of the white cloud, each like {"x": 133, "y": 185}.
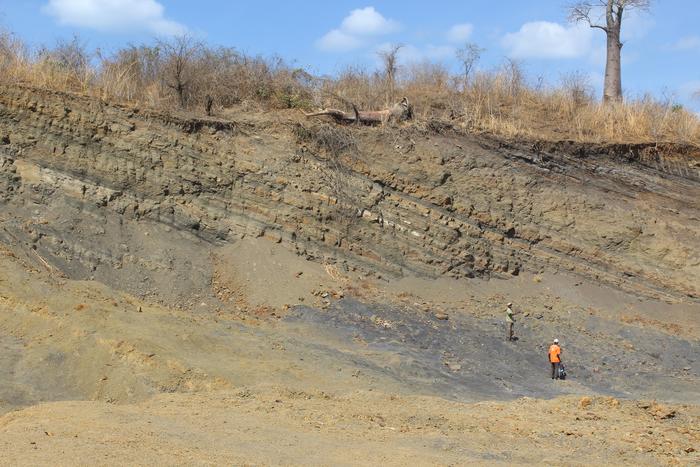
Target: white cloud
{"x": 355, "y": 29}
{"x": 114, "y": 15}
{"x": 338, "y": 41}
{"x": 543, "y": 39}
{"x": 367, "y": 21}
{"x": 460, "y": 32}
{"x": 688, "y": 43}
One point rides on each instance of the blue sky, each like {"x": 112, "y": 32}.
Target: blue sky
{"x": 661, "y": 54}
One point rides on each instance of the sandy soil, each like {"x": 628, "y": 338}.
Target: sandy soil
{"x": 277, "y": 426}
{"x": 364, "y": 372}
{"x": 266, "y": 274}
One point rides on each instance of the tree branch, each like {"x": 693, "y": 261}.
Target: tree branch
{"x": 581, "y": 11}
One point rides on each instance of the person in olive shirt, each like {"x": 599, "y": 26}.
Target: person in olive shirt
{"x": 510, "y": 321}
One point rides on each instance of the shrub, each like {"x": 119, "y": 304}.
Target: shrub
{"x": 185, "y": 74}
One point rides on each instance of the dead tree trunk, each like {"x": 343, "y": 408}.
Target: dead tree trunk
{"x": 398, "y": 112}
{"x": 358, "y": 117}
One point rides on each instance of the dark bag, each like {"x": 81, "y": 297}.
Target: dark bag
{"x": 562, "y": 371}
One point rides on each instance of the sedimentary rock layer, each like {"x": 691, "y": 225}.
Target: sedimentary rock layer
{"x": 390, "y": 200}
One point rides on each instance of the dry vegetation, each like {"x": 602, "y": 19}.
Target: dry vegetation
{"x": 183, "y": 73}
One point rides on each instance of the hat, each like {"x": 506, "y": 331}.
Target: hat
{"x": 510, "y": 304}
{"x": 556, "y": 341}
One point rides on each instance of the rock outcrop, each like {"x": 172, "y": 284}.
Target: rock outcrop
{"x": 78, "y": 176}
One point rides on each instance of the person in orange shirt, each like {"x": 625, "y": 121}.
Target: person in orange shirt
{"x": 555, "y": 358}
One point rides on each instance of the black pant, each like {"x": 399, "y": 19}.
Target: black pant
{"x": 555, "y": 370}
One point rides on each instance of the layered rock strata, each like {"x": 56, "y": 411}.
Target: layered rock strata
{"x": 78, "y": 176}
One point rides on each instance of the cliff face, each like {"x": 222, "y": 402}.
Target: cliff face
{"x": 140, "y": 199}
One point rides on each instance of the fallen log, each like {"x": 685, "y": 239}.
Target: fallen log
{"x": 398, "y": 112}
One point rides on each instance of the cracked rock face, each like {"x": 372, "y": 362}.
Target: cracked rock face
{"x": 139, "y": 199}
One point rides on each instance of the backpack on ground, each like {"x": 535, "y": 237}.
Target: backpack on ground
{"x": 562, "y": 371}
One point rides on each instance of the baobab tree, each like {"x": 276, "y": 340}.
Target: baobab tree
{"x": 612, "y": 13}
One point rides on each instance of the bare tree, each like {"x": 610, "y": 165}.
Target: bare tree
{"x": 73, "y": 58}
{"x": 613, "y": 13}
{"x": 513, "y": 71}
{"x": 468, "y": 56}
{"x": 578, "y": 87}
{"x": 180, "y": 55}
{"x": 131, "y": 72}
{"x": 13, "y": 52}
{"x": 389, "y": 58}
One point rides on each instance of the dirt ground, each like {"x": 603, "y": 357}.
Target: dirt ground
{"x": 265, "y": 426}
{"x": 365, "y": 374}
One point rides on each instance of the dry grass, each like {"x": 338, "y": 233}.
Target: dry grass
{"x": 201, "y": 79}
